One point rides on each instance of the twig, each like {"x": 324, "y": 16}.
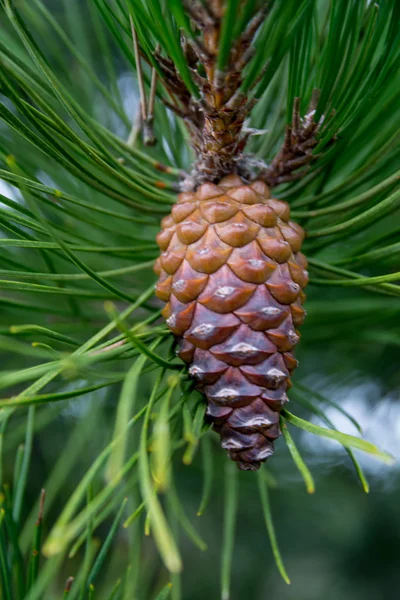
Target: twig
{"x": 139, "y": 70}
{"x": 152, "y": 97}
{"x": 146, "y": 119}
{"x": 245, "y": 58}
{"x": 184, "y": 114}
{"x": 136, "y": 128}
{"x": 260, "y": 75}
{"x": 41, "y": 507}
{"x": 68, "y": 585}
{"x": 296, "y": 150}
{"x": 190, "y": 55}
{"x": 110, "y": 347}
{"x": 242, "y": 46}
{"x": 249, "y": 33}
{"x": 199, "y": 14}
{"x": 296, "y": 116}
{"x": 200, "y": 50}
{"x": 148, "y": 133}
{"x": 290, "y": 177}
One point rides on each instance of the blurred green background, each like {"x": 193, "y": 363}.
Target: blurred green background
{"x": 336, "y": 543}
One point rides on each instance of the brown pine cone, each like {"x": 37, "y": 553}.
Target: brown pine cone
{"x": 232, "y": 276}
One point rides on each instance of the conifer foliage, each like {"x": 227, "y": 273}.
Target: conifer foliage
{"x": 242, "y": 126}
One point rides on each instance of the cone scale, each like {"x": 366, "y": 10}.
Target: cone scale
{"x": 232, "y": 274}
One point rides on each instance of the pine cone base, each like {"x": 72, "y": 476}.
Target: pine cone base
{"x": 232, "y": 275}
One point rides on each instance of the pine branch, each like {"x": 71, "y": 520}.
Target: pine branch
{"x": 297, "y": 149}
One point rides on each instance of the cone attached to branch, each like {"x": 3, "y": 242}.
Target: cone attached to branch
{"x": 231, "y": 270}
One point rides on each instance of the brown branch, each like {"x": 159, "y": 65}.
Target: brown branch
{"x": 68, "y": 584}
{"x": 215, "y": 119}
{"x": 191, "y": 57}
{"x": 145, "y": 119}
{"x": 249, "y": 33}
{"x": 244, "y": 58}
{"x": 138, "y": 69}
{"x": 200, "y": 81}
{"x": 134, "y": 132}
{"x": 290, "y": 177}
{"x": 296, "y": 150}
{"x": 108, "y": 348}
{"x": 296, "y": 163}
{"x": 237, "y": 99}
{"x": 183, "y": 114}
{"x": 199, "y": 13}
{"x": 41, "y": 507}
{"x": 200, "y": 50}
{"x": 152, "y": 96}
{"x": 296, "y": 116}
{"x": 148, "y": 131}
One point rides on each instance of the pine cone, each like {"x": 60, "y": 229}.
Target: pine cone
{"x": 232, "y": 276}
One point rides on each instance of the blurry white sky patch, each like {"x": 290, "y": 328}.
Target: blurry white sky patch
{"x": 8, "y": 191}
{"x": 128, "y": 88}
{"x": 79, "y": 407}
{"x": 379, "y": 418}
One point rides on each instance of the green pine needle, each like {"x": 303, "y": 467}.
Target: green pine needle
{"x": 263, "y": 489}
